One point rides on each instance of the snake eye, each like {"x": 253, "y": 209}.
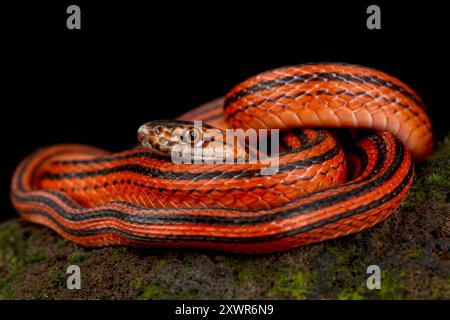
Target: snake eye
{"x": 192, "y": 136}
{"x": 158, "y": 130}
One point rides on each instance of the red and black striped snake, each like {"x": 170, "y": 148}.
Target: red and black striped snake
{"x": 321, "y": 190}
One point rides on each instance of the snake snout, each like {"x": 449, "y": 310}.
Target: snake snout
{"x": 143, "y": 134}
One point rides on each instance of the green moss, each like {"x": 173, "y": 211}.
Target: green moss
{"x": 60, "y": 243}
{"x": 407, "y": 204}
{"x": 77, "y": 257}
{"x": 193, "y": 292}
{"x": 121, "y": 251}
{"x": 436, "y": 179}
{"x": 158, "y": 267}
{"x": 7, "y": 288}
{"x": 35, "y": 257}
{"x": 342, "y": 270}
{"x": 12, "y": 258}
{"x": 55, "y": 278}
{"x": 296, "y": 286}
{"x": 392, "y": 286}
{"x": 186, "y": 259}
{"x": 433, "y": 184}
{"x": 443, "y": 150}
{"x": 251, "y": 270}
{"x": 15, "y": 257}
{"x": 351, "y": 294}
{"x": 118, "y": 255}
{"x": 11, "y": 246}
{"x": 245, "y": 273}
{"x": 416, "y": 254}
{"x": 439, "y": 292}
{"x": 152, "y": 291}
{"x": 138, "y": 283}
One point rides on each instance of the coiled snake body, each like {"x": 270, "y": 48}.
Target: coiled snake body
{"x": 96, "y": 198}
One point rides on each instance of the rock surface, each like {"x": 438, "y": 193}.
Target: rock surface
{"x": 411, "y": 248}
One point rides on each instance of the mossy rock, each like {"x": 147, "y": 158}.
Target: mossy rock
{"x": 411, "y": 248}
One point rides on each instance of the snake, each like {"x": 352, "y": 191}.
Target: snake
{"x": 348, "y": 136}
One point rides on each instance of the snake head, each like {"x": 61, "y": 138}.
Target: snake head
{"x": 185, "y": 138}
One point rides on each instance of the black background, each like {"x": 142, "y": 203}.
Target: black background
{"x": 131, "y": 63}
{"x": 283, "y": 309}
